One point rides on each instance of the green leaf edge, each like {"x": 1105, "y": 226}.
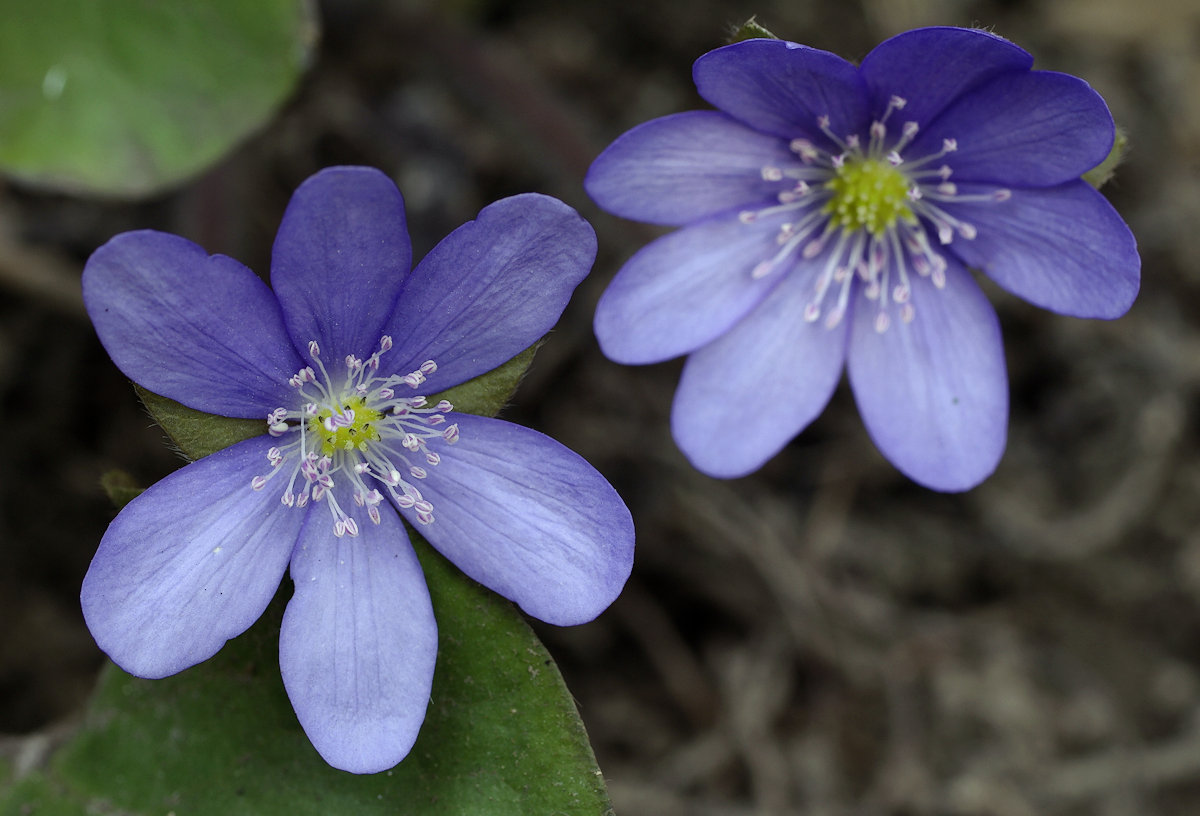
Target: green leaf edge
{"x": 1103, "y": 172}
{"x": 751, "y": 30}
{"x": 66, "y": 174}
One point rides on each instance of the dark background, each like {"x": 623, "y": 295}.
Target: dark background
{"x": 821, "y": 638}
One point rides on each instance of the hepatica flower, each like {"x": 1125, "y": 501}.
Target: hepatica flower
{"x": 336, "y": 360}
{"x": 830, "y": 214}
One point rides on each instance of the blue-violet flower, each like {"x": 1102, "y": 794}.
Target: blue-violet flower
{"x": 830, "y": 214}
{"x": 335, "y": 361}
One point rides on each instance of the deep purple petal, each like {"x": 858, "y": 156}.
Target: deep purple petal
{"x": 686, "y": 167}
{"x": 782, "y": 88}
{"x": 358, "y": 641}
{"x": 204, "y": 331}
{"x": 491, "y": 288}
{"x": 685, "y": 289}
{"x": 1063, "y": 248}
{"x": 340, "y": 258}
{"x": 746, "y": 394}
{"x": 528, "y": 519}
{"x": 933, "y": 393}
{"x": 189, "y": 564}
{"x": 1036, "y": 130}
{"x": 931, "y": 67}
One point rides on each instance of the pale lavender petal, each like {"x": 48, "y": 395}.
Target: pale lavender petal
{"x": 1036, "y": 129}
{"x": 358, "y": 642}
{"x": 491, "y": 288}
{"x": 339, "y": 260}
{"x": 687, "y": 288}
{"x": 1062, "y": 248}
{"x": 931, "y": 67}
{"x": 190, "y": 563}
{"x": 933, "y": 393}
{"x": 528, "y": 519}
{"x": 782, "y": 88}
{"x": 746, "y": 394}
{"x": 202, "y": 330}
{"x": 686, "y": 167}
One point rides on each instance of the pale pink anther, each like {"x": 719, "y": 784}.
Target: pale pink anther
{"x": 397, "y": 428}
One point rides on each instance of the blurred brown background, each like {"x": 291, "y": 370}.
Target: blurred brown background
{"x": 822, "y": 638}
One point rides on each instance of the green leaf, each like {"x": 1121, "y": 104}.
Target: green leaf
{"x": 488, "y": 393}
{"x": 751, "y": 30}
{"x": 125, "y": 97}
{"x": 1100, "y": 175}
{"x": 501, "y": 736}
{"x": 194, "y": 433}
{"x": 120, "y": 487}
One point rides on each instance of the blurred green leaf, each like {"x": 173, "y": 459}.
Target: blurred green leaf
{"x": 1102, "y": 173}
{"x": 751, "y": 30}
{"x": 501, "y": 736}
{"x": 120, "y": 487}
{"x": 125, "y": 97}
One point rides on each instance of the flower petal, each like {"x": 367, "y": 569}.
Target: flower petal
{"x": 358, "y": 642}
{"x": 491, "y": 288}
{"x": 933, "y": 393}
{"x": 685, "y": 289}
{"x": 782, "y": 88}
{"x": 685, "y": 167}
{"x": 202, "y": 330}
{"x": 340, "y": 258}
{"x": 1062, "y": 248}
{"x": 1023, "y": 130}
{"x": 529, "y": 519}
{"x": 746, "y": 394}
{"x": 189, "y": 564}
{"x": 931, "y": 67}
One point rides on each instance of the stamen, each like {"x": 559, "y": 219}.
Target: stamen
{"x": 348, "y": 435}
{"x": 884, "y": 206}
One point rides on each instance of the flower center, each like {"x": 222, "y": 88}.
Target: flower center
{"x": 348, "y": 429}
{"x": 865, "y": 216}
{"x": 868, "y": 194}
{"x": 358, "y": 430}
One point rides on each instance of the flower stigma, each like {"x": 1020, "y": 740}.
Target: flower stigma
{"x": 868, "y": 194}
{"x": 346, "y": 430}
{"x": 869, "y": 214}
{"x": 357, "y": 429}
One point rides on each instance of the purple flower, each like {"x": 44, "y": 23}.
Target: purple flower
{"x": 830, "y": 215}
{"x": 335, "y": 360}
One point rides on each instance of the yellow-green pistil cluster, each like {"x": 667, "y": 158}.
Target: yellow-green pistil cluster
{"x": 868, "y": 194}
{"x": 346, "y": 437}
